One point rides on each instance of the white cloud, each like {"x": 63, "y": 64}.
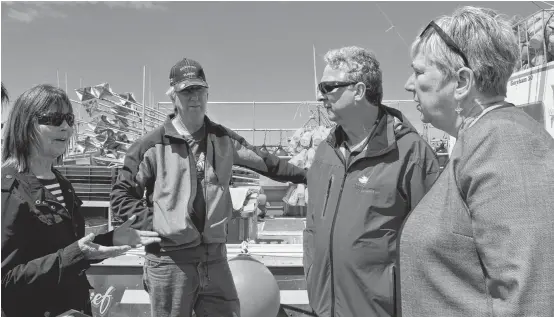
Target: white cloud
{"x": 23, "y": 16}
{"x": 138, "y": 5}
{"x": 30, "y": 11}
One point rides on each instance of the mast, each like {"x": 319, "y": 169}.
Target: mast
{"x": 315, "y": 74}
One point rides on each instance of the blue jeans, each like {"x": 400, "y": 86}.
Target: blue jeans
{"x": 177, "y": 285}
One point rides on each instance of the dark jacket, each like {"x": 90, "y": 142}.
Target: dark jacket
{"x": 158, "y": 183}
{"x": 354, "y": 213}
{"x": 42, "y": 265}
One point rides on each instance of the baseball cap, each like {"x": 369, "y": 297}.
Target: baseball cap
{"x": 186, "y": 73}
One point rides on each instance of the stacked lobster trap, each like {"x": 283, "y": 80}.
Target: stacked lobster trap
{"x": 302, "y": 146}
{"x": 536, "y": 39}
{"x": 116, "y": 120}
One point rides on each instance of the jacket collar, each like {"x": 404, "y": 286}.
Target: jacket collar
{"x": 211, "y": 137}
{"x": 170, "y": 131}
{"x": 33, "y": 187}
{"x": 382, "y": 141}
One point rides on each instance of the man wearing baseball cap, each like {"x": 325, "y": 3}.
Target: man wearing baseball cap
{"x": 176, "y": 181}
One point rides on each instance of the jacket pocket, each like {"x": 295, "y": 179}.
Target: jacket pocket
{"x": 327, "y": 193}
{"x": 218, "y": 213}
{"x": 308, "y": 273}
{"x": 174, "y": 226}
{"x": 47, "y": 214}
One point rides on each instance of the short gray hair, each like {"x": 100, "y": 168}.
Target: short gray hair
{"x": 359, "y": 65}
{"x": 171, "y": 93}
{"x": 485, "y": 37}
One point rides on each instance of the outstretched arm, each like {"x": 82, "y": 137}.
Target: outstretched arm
{"x": 264, "y": 163}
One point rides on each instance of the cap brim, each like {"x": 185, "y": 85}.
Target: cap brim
{"x": 190, "y": 82}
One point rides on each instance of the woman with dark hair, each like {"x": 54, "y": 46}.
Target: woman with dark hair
{"x": 5, "y": 97}
{"x": 44, "y": 253}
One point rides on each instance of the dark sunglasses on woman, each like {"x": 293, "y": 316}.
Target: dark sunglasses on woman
{"x": 446, "y": 39}
{"x": 327, "y": 86}
{"x": 56, "y": 118}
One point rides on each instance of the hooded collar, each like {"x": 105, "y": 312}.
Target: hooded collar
{"x": 391, "y": 126}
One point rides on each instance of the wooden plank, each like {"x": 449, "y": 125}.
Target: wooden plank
{"x": 279, "y": 255}
{"x": 91, "y": 203}
{"x": 280, "y": 233}
{"x": 297, "y": 297}
{"x": 288, "y": 297}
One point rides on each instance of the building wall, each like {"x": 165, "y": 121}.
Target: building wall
{"x": 534, "y": 86}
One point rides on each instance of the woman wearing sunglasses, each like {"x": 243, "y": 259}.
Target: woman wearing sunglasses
{"x": 481, "y": 242}
{"x": 44, "y": 253}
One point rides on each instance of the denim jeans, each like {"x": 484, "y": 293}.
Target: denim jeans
{"x": 176, "y": 287}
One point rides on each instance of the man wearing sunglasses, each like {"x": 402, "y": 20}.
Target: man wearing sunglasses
{"x": 176, "y": 180}
{"x": 366, "y": 177}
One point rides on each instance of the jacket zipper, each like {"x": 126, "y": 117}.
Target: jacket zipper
{"x": 346, "y": 162}
{"x": 194, "y": 177}
{"x": 331, "y": 237}
{"x": 327, "y": 196}
{"x": 205, "y": 186}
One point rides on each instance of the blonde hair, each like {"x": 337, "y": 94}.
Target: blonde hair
{"x": 487, "y": 40}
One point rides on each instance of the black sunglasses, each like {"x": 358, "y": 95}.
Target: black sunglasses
{"x": 447, "y": 40}
{"x": 56, "y": 118}
{"x": 327, "y": 86}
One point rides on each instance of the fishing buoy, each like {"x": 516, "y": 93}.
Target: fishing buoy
{"x": 256, "y": 287}
{"x": 538, "y": 60}
{"x": 524, "y": 53}
{"x": 537, "y": 41}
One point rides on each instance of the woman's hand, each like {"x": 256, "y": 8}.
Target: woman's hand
{"x": 124, "y": 235}
{"x": 94, "y": 251}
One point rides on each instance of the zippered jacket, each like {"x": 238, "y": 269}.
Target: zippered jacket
{"x": 354, "y": 212}
{"x": 158, "y": 183}
{"x": 43, "y": 268}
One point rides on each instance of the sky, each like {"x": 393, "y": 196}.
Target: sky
{"x": 251, "y": 51}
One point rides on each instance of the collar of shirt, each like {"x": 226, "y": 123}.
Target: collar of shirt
{"x": 182, "y": 130}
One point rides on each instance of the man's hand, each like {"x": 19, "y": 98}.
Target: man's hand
{"x": 124, "y": 235}
{"x": 94, "y": 251}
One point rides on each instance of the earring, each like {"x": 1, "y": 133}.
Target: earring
{"x": 458, "y": 109}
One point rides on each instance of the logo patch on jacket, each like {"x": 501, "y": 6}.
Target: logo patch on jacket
{"x": 363, "y": 180}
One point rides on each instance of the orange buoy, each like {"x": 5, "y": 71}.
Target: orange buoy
{"x": 256, "y": 287}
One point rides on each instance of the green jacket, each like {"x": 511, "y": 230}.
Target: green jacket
{"x": 354, "y": 213}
